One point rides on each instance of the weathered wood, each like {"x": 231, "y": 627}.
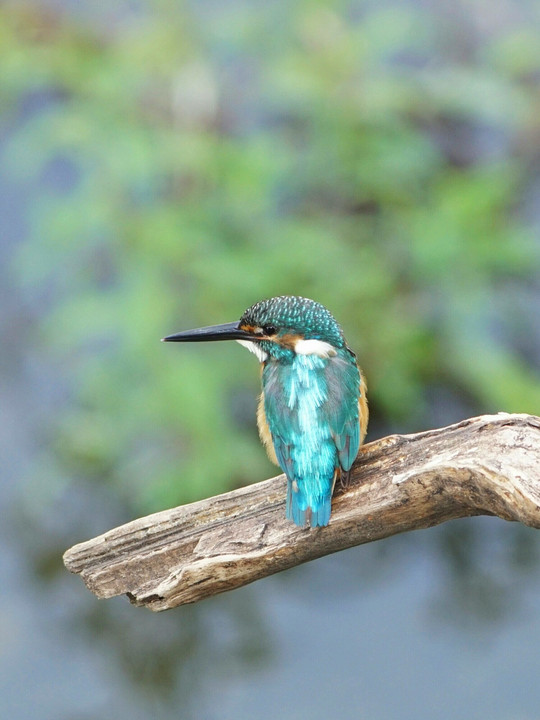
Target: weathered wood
{"x": 488, "y": 465}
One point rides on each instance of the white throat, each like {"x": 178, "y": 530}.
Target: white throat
{"x": 255, "y": 348}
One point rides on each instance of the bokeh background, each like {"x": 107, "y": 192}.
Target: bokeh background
{"x": 163, "y": 165}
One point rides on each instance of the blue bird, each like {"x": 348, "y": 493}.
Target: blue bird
{"x": 312, "y": 414}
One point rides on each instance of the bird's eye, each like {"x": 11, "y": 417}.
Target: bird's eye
{"x": 269, "y": 330}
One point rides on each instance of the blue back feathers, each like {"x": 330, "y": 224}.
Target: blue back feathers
{"x": 311, "y": 406}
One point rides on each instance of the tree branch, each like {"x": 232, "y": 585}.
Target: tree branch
{"x": 488, "y": 465}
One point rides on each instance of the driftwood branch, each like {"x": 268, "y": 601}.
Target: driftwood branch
{"x": 488, "y": 465}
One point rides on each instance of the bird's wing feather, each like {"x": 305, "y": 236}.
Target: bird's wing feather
{"x": 281, "y": 424}
{"x": 344, "y": 387}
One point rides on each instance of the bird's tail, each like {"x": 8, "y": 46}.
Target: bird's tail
{"x": 303, "y": 511}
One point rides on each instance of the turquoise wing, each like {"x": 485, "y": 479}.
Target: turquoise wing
{"x": 343, "y": 377}
{"x": 282, "y": 423}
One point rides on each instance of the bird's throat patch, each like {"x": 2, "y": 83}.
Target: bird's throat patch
{"x": 255, "y": 348}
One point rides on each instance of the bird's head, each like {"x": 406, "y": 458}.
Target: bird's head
{"x": 279, "y": 328}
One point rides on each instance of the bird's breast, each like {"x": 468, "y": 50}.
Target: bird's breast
{"x": 264, "y": 431}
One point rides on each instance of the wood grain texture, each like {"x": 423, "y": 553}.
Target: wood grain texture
{"x": 489, "y": 465}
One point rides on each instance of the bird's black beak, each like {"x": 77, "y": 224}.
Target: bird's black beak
{"x": 227, "y": 331}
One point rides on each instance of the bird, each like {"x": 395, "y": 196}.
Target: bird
{"x": 312, "y": 413}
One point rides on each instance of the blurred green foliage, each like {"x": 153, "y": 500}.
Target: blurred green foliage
{"x": 193, "y": 158}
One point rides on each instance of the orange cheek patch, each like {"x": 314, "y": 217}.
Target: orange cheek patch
{"x": 289, "y": 341}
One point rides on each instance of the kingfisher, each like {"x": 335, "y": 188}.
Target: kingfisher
{"x": 312, "y": 413}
